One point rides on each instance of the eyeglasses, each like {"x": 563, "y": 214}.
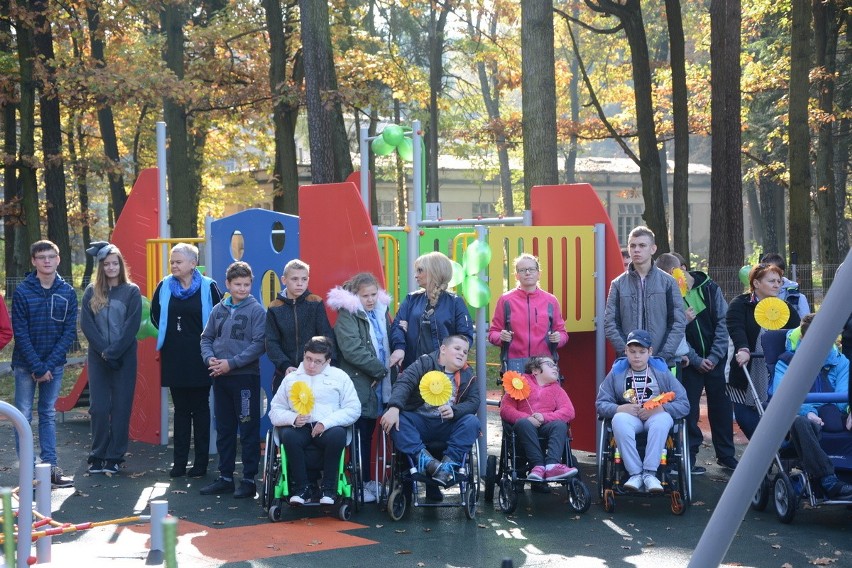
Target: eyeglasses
{"x": 526, "y": 270}
{"x": 43, "y": 257}
{"x": 550, "y": 364}
{"x": 312, "y": 361}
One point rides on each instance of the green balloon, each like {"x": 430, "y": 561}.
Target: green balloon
{"x": 476, "y": 257}
{"x": 380, "y": 147}
{"x": 146, "y": 309}
{"x": 458, "y": 274}
{"x": 406, "y": 149}
{"x": 744, "y": 272}
{"x": 393, "y": 134}
{"x": 476, "y": 292}
{"x": 146, "y": 330}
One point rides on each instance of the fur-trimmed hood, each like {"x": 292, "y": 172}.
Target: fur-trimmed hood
{"x": 341, "y": 299}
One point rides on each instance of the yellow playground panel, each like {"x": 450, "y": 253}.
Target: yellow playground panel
{"x": 157, "y": 252}
{"x": 567, "y": 258}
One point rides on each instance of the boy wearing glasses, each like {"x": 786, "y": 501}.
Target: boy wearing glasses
{"x": 44, "y": 321}
{"x": 527, "y": 321}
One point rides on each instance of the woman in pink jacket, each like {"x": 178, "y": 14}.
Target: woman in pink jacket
{"x": 545, "y": 411}
{"x": 527, "y": 321}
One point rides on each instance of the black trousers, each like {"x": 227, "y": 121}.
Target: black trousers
{"x": 236, "y": 401}
{"x": 331, "y": 442}
{"x": 719, "y": 410}
{"x": 192, "y": 414}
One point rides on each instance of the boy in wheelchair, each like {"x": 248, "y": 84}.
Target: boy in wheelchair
{"x": 622, "y": 397}
{"x": 544, "y": 411}
{"x": 322, "y": 424}
{"x": 411, "y": 421}
{"x": 814, "y": 418}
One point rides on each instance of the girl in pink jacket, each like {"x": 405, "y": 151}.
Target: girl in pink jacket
{"x": 541, "y": 407}
{"x": 527, "y": 320}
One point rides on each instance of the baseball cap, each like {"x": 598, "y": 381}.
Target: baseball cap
{"x": 640, "y": 337}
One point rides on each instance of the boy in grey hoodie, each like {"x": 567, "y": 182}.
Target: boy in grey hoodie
{"x": 231, "y": 344}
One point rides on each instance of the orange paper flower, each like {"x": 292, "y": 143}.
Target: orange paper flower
{"x": 515, "y": 385}
{"x": 659, "y": 400}
{"x": 678, "y": 275}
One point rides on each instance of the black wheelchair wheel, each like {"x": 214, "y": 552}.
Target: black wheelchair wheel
{"x": 490, "y": 477}
{"x": 761, "y": 496}
{"x": 579, "y": 495}
{"x": 470, "y": 499}
{"x": 397, "y": 504}
{"x": 609, "y": 501}
{"x": 507, "y": 499}
{"x": 786, "y": 499}
{"x": 271, "y": 472}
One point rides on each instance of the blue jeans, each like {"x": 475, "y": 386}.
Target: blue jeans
{"x": 415, "y": 429}
{"x": 48, "y": 392}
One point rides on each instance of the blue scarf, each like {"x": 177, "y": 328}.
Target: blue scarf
{"x": 167, "y": 291}
{"x": 380, "y": 337}
{"x": 182, "y": 293}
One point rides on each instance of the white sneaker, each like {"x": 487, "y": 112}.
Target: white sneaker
{"x": 371, "y": 491}
{"x": 635, "y": 483}
{"x": 652, "y": 484}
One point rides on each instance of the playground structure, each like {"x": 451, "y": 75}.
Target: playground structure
{"x": 17, "y": 538}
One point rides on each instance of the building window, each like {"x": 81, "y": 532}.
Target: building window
{"x": 387, "y": 213}
{"x": 629, "y": 217}
{"x": 483, "y": 210}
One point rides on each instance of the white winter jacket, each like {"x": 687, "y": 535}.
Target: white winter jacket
{"x": 335, "y": 400}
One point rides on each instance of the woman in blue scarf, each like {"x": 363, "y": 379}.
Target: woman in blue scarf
{"x": 179, "y": 309}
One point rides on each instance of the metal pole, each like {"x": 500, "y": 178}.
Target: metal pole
{"x": 600, "y": 311}
{"x": 527, "y": 218}
{"x": 416, "y": 215}
{"x": 159, "y": 510}
{"x": 365, "y": 168}
{"x": 732, "y": 507}
{"x": 481, "y": 346}
{"x": 25, "y": 480}
{"x": 164, "y": 232}
{"x": 42, "y": 490}
{"x": 208, "y": 263}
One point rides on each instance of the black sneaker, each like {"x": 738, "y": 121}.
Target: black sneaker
{"x": 246, "y": 490}
{"x": 839, "y": 492}
{"x": 445, "y": 476}
{"x": 698, "y": 470}
{"x": 96, "y": 466}
{"x": 58, "y": 479}
{"x": 729, "y": 462}
{"x": 219, "y": 487}
{"x": 111, "y": 467}
{"x": 301, "y": 497}
{"x": 197, "y": 471}
{"x": 177, "y": 471}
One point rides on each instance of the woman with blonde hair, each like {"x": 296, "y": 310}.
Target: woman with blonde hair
{"x": 112, "y": 306}
{"x": 429, "y": 315}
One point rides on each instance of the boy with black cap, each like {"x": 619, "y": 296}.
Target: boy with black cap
{"x": 634, "y": 380}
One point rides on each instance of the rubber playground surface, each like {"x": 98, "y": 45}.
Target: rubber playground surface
{"x": 544, "y": 531}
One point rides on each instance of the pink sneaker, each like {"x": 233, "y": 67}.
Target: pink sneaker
{"x": 560, "y": 471}
{"x": 537, "y": 473}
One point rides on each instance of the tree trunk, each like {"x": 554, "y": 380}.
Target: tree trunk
{"x": 13, "y": 264}
{"x": 574, "y": 96}
{"x": 799, "y": 137}
{"x": 538, "y": 88}
{"x": 285, "y": 108}
{"x": 323, "y": 112}
{"x": 81, "y": 172}
{"x": 680, "y": 119}
{"x": 401, "y": 188}
{"x": 726, "y": 195}
{"x": 437, "y": 23}
{"x": 51, "y": 139}
{"x": 105, "y": 117}
{"x": 842, "y": 147}
{"x": 756, "y": 214}
{"x": 183, "y": 208}
{"x": 826, "y": 28}
{"x": 650, "y": 168}
{"x": 26, "y": 147}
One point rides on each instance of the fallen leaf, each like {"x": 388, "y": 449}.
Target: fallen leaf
{"x": 180, "y": 492}
{"x": 776, "y": 546}
{"x": 482, "y": 526}
{"x": 379, "y": 526}
{"x": 823, "y": 561}
{"x": 399, "y": 530}
{"x": 786, "y": 565}
{"x": 218, "y": 522}
{"x": 402, "y": 552}
{"x": 427, "y": 529}
{"x": 625, "y": 547}
{"x": 698, "y": 503}
{"x": 421, "y": 564}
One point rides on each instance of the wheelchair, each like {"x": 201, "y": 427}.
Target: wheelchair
{"x": 675, "y": 471}
{"x": 510, "y": 471}
{"x": 402, "y": 488}
{"x": 787, "y": 482}
{"x": 276, "y": 489}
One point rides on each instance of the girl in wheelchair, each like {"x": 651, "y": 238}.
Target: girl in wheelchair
{"x": 622, "y": 398}
{"x": 321, "y": 423}
{"x": 545, "y": 411}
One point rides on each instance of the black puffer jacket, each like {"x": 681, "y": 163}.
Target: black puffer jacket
{"x": 290, "y": 324}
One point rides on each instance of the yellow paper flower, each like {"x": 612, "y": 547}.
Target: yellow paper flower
{"x": 678, "y": 275}
{"x": 515, "y": 386}
{"x": 302, "y": 397}
{"x": 772, "y": 313}
{"x": 435, "y": 388}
